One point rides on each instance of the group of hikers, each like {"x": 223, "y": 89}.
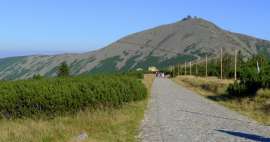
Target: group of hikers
{"x": 160, "y": 74}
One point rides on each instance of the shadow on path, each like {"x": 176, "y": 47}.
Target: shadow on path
{"x": 246, "y": 136}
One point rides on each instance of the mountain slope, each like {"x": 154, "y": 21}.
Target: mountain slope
{"x": 188, "y": 39}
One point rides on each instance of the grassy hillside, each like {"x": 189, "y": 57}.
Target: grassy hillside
{"x": 4, "y": 63}
{"x": 107, "y": 66}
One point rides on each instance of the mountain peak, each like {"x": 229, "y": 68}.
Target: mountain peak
{"x": 189, "y": 39}
{"x": 196, "y": 20}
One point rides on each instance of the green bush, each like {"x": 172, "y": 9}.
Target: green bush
{"x": 56, "y": 96}
{"x": 37, "y": 77}
{"x": 137, "y": 74}
{"x": 237, "y": 89}
{"x": 251, "y": 80}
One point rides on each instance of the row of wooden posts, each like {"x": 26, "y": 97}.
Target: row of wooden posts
{"x": 206, "y": 66}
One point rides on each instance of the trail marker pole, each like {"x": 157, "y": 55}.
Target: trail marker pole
{"x": 190, "y": 68}
{"x": 221, "y": 67}
{"x": 185, "y": 68}
{"x": 178, "y": 69}
{"x": 196, "y": 68}
{"x": 258, "y": 68}
{"x": 206, "y": 74}
{"x": 181, "y": 70}
{"x": 235, "y": 64}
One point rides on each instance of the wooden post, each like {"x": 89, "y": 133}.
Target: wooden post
{"x": 181, "y": 69}
{"x": 172, "y": 70}
{"x": 221, "y": 69}
{"x": 206, "y": 74}
{"x": 185, "y": 68}
{"x": 235, "y": 65}
{"x": 196, "y": 68}
{"x": 178, "y": 69}
{"x": 190, "y": 68}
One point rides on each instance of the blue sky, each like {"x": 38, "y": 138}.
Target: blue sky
{"x": 58, "y": 26}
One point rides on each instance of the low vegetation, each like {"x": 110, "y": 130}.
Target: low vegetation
{"x": 48, "y": 97}
{"x": 256, "y": 106}
{"x": 107, "y": 124}
{"x": 254, "y": 75}
{"x": 136, "y": 74}
{"x": 211, "y": 84}
{"x": 249, "y": 94}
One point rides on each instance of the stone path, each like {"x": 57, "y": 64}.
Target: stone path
{"x": 177, "y": 114}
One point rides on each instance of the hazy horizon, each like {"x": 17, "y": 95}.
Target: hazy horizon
{"x": 54, "y": 27}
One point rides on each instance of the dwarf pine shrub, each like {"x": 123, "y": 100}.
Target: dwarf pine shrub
{"x": 56, "y": 96}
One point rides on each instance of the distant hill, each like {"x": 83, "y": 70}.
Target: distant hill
{"x": 188, "y": 39}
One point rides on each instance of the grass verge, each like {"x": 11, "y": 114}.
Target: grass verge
{"x": 215, "y": 89}
{"x": 108, "y": 125}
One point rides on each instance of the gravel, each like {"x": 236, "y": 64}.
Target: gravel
{"x": 177, "y": 114}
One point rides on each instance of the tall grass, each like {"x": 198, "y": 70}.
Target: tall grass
{"x": 263, "y": 98}
{"x": 211, "y": 84}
